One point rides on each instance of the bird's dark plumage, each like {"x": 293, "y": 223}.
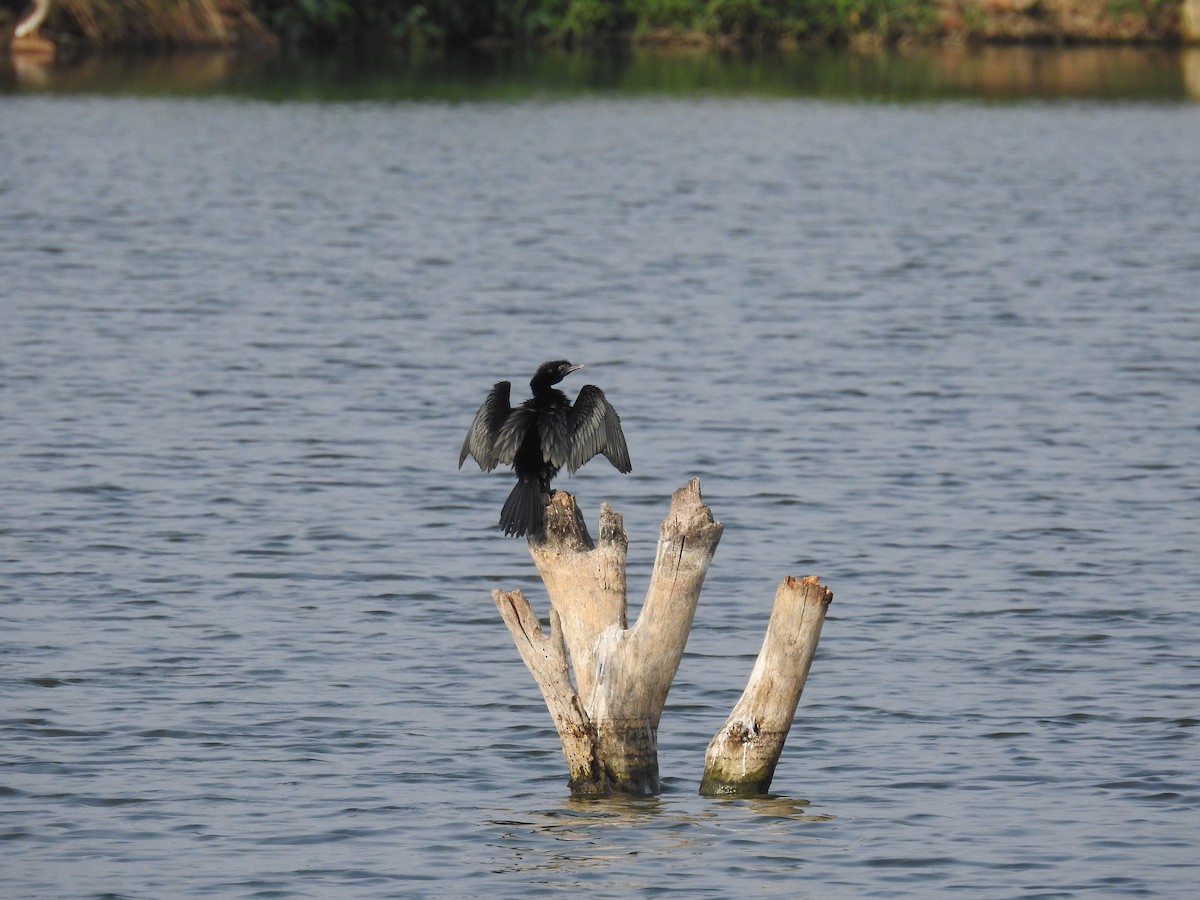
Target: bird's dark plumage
{"x": 541, "y": 436}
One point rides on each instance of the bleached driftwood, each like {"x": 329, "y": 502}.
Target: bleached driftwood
{"x": 742, "y": 756}
{"x": 608, "y": 721}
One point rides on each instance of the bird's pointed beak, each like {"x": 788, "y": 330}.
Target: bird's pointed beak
{"x": 573, "y": 368}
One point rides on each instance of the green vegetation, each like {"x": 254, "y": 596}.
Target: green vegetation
{"x": 592, "y": 21}
{"x": 451, "y": 23}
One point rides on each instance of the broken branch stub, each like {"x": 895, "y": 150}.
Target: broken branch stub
{"x": 742, "y": 756}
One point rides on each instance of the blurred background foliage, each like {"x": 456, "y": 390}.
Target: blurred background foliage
{"x": 357, "y": 23}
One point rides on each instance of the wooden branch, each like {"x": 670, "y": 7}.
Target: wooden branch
{"x": 687, "y": 541}
{"x": 742, "y": 756}
{"x": 623, "y": 674}
{"x": 546, "y": 658}
{"x": 28, "y": 26}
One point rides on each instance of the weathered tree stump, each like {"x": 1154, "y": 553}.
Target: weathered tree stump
{"x": 742, "y": 756}
{"x": 608, "y": 721}
{"x": 608, "y": 717}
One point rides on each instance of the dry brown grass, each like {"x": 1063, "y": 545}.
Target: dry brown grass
{"x": 160, "y": 23}
{"x": 1061, "y": 21}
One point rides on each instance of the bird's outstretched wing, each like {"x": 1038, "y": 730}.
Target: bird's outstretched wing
{"x": 594, "y": 427}
{"x": 483, "y": 439}
{"x": 513, "y": 432}
{"x": 554, "y": 430}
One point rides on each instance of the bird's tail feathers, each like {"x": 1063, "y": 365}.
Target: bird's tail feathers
{"x": 524, "y": 511}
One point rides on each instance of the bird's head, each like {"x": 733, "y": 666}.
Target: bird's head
{"x": 553, "y": 372}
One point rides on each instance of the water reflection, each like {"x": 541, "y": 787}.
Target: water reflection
{"x": 1190, "y": 64}
{"x": 177, "y": 73}
{"x": 1106, "y": 72}
{"x": 29, "y": 72}
{"x": 597, "y": 834}
{"x": 632, "y": 810}
{"x": 785, "y": 808}
{"x": 997, "y": 73}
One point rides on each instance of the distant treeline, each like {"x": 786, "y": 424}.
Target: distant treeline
{"x": 592, "y": 21}
{"x": 462, "y": 22}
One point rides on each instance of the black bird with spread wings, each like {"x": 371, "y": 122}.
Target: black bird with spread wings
{"x": 541, "y": 436}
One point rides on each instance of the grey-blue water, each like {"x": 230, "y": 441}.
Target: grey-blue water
{"x": 945, "y": 356}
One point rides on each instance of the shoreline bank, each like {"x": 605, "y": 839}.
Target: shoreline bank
{"x": 197, "y": 24}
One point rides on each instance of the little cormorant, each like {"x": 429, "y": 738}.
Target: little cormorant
{"x": 541, "y": 436}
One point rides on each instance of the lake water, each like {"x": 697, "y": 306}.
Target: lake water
{"x": 946, "y": 355}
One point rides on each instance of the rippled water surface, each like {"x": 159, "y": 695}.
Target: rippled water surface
{"x": 946, "y": 356}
